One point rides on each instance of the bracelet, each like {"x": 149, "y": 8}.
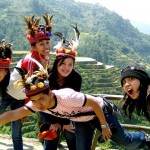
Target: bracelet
{"x": 104, "y": 126}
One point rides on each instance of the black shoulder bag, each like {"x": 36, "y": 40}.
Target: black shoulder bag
{"x": 111, "y": 108}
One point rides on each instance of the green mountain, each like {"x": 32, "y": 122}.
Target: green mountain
{"x": 105, "y": 35}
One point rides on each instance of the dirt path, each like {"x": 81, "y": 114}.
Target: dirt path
{"x": 29, "y": 144}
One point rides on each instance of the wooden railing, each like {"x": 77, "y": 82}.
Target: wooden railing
{"x": 125, "y": 126}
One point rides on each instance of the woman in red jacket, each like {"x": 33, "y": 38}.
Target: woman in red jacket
{"x": 39, "y": 39}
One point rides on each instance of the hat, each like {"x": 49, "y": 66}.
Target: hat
{"x": 5, "y": 54}
{"x": 136, "y": 71}
{"x": 65, "y": 47}
{"x": 36, "y": 84}
{"x": 37, "y": 32}
{"x": 5, "y": 63}
{"x": 66, "y": 53}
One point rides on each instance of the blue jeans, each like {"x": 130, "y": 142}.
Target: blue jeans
{"x": 15, "y": 125}
{"x": 53, "y": 144}
{"x": 129, "y": 140}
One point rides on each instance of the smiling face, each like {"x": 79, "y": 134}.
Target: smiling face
{"x": 42, "y": 47}
{"x": 64, "y": 68}
{"x": 131, "y": 87}
{"x": 3, "y": 73}
{"x": 41, "y": 101}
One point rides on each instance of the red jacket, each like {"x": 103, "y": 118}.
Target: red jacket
{"x": 28, "y": 65}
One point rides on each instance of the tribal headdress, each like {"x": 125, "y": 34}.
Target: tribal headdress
{"x": 35, "y": 84}
{"x": 67, "y": 47}
{"x": 5, "y": 54}
{"x": 36, "y": 32}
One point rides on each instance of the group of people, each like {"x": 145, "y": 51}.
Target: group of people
{"x": 55, "y": 94}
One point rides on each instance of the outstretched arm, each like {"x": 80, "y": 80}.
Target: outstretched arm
{"x": 92, "y": 102}
{"x": 13, "y": 115}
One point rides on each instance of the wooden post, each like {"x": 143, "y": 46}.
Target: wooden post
{"x": 96, "y": 136}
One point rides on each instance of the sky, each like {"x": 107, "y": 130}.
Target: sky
{"x": 135, "y": 10}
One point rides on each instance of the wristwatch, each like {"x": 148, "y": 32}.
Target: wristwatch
{"x": 104, "y": 126}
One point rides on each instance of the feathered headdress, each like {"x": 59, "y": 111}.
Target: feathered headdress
{"x": 67, "y": 47}
{"x": 34, "y": 84}
{"x": 5, "y": 54}
{"x": 20, "y": 84}
{"x": 36, "y": 32}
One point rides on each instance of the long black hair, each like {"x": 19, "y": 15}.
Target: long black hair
{"x": 73, "y": 80}
{"x": 140, "y": 104}
{"x": 53, "y": 73}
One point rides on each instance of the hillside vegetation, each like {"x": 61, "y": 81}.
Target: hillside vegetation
{"x": 105, "y": 36}
{"x": 107, "y": 44}
{"x": 98, "y": 78}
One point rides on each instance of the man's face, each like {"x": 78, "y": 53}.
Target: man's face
{"x": 41, "y": 101}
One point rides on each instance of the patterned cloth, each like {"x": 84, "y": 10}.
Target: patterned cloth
{"x": 70, "y": 106}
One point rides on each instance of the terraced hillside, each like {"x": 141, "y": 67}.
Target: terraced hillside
{"x": 97, "y": 77}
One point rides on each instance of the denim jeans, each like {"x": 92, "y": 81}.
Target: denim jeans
{"x": 84, "y": 135}
{"x": 53, "y": 144}
{"x": 15, "y": 125}
{"x": 129, "y": 140}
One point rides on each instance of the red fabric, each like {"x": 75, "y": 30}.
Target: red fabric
{"x": 47, "y": 135}
{"x": 28, "y": 64}
{"x": 26, "y": 100}
{"x": 37, "y": 37}
{"x": 5, "y": 63}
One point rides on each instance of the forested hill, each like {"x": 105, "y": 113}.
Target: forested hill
{"x": 105, "y": 35}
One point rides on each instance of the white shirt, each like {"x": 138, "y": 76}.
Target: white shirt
{"x": 15, "y": 93}
{"x": 70, "y": 104}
